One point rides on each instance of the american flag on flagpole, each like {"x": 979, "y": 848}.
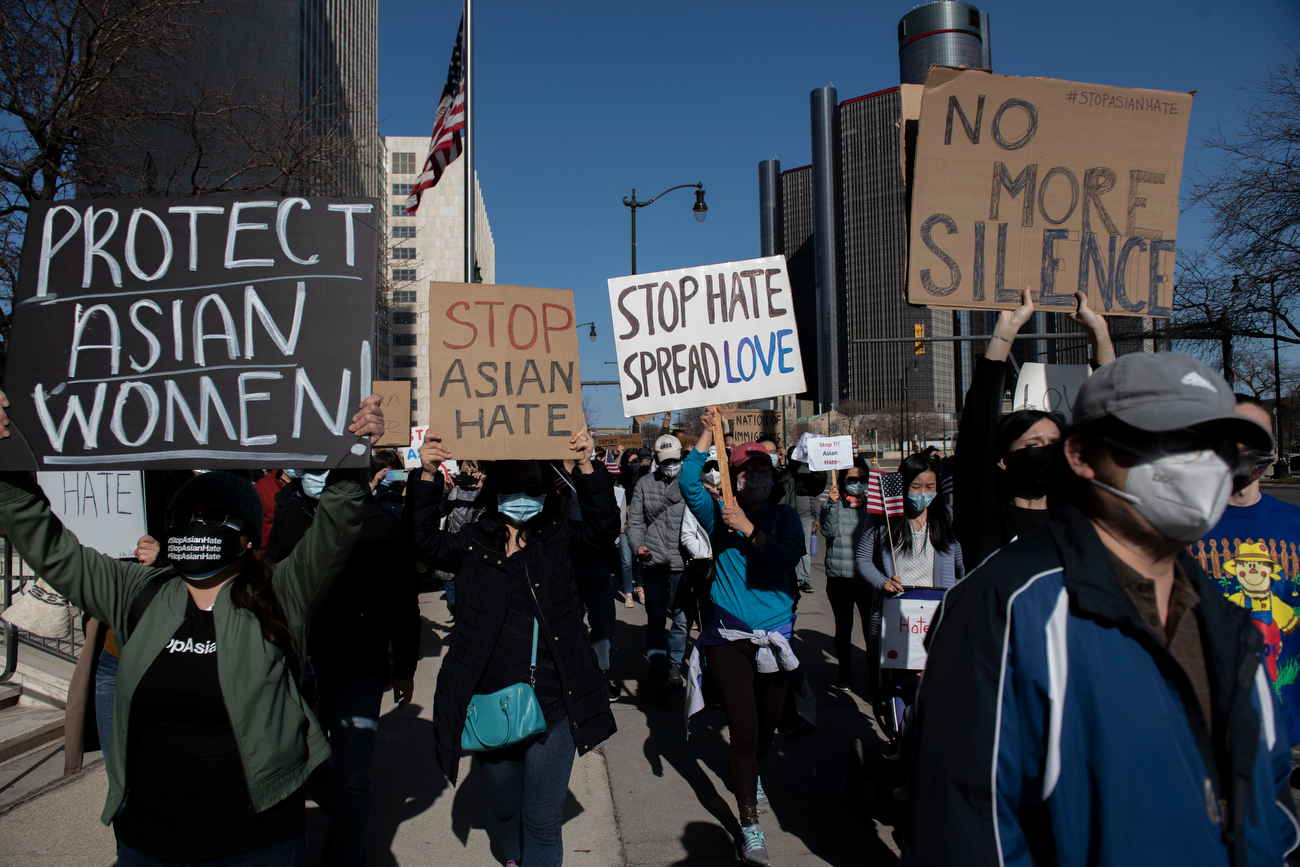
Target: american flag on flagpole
{"x": 447, "y": 141}
{"x": 884, "y": 493}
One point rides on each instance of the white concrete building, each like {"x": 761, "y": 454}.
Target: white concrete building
{"x": 425, "y": 249}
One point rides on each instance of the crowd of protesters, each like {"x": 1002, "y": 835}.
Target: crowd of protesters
{"x": 1108, "y": 679}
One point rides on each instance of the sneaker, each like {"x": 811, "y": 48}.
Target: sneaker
{"x": 611, "y": 688}
{"x": 807, "y": 588}
{"x": 627, "y": 600}
{"x": 675, "y": 678}
{"x": 842, "y": 685}
{"x": 764, "y": 805}
{"x": 639, "y": 593}
{"x": 753, "y": 848}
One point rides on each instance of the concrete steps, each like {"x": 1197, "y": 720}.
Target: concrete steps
{"x": 25, "y": 728}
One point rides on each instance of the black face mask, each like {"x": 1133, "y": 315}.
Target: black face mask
{"x": 1031, "y": 468}
{"x": 202, "y": 550}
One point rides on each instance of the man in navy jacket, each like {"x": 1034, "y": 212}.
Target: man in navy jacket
{"x": 1090, "y": 696}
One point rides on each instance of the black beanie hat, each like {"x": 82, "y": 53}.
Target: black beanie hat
{"x": 228, "y": 488}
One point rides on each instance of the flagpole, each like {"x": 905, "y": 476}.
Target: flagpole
{"x": 469, "y": 141}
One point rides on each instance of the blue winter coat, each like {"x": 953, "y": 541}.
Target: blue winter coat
{"x": 1052, "y": 727}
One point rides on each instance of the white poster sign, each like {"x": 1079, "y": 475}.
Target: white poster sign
{"x": 707, "y": 335}
{"x": 1050, "y": 387}
{"x": 829, "y": 453}
{"x": 904, "y": 623}
{"x": 103, "y": 508}
{"x": 412, "y": 461}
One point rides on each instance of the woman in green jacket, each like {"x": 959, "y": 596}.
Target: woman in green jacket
{"x": 212, "y": 741}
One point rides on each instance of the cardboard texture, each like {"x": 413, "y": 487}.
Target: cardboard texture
{"x": 693, "y": 336}
{"x": 1045, "y": 183}
{"x": 396, "y": 403}
{"x": 104, "y": 510}
{"x": 747, "y": 425}
{"x": 183, "y": 333}
{"x": 1050, "y": 387}
{"x": 503, "y": 371}
{"x": 627, "y": 441}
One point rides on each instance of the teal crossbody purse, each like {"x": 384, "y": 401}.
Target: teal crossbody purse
{"x": 507, "y": 716}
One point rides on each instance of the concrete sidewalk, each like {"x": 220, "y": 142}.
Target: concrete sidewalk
{"x": 646, "y": 797}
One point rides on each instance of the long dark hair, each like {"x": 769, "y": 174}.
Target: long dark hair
{"x": 937, "y": 521}
{"x": 252, "y": 591}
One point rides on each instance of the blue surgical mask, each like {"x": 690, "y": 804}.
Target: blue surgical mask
{"x": 519, "y": 508}
{"x": 293, "y": 474}
{"x": 314, "y": 483}
{"x": 774, "y": 459}
{"x": 919, "y": 502}
{"x": 855, "y": 489}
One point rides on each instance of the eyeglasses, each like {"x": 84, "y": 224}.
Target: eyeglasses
{"x": 1189, "y": 445}
{"x": 531, "y": 487}
{"x": 212, "y": 516}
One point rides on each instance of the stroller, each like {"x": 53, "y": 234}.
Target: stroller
{"x": 905, "y": 621}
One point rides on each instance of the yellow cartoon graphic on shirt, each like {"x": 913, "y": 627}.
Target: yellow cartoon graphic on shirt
{"x": 1255, "y": 572}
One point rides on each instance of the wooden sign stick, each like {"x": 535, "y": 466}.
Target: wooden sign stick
{"x": 724, "y": 469}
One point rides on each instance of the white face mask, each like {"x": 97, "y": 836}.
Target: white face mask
{"x": 1182, "y": 496}
{"x": 713, "y": 477}
{"x": 671, "y": 469}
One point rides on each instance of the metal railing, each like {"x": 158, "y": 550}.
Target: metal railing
{"x": 14, "y": 576}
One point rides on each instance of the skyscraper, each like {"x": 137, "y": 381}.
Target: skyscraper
{"x": 423, "y": 249}
{"x": 843, "y": 230}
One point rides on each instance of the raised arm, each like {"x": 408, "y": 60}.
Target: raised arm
{"x": 304, "y": 577}
{"x": 434, "y": 546}
{"x": 97, "y": 584}
{"x": 698, "y": 500}
{"x": 594, "y": 488}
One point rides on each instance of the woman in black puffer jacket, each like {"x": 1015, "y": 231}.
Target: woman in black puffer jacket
{"x": 513, "y": 565}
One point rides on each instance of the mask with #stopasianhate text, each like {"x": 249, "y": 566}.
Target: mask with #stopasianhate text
{"x": 200, "y": 550}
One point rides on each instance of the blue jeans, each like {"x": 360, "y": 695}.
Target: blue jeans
{"x": 526, "y": 788}
{"x": 449, "y": 587}
{"x": 660, "y": 603}
{"x": 286, "y": 854}
{"x": 349, "y": 714}
{"x": 105, "y": 684}
{"x": 625, "y": 559}
{"x": 595, "y": 584}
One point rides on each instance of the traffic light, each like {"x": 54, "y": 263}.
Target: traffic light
{"x": 918, "y": 330}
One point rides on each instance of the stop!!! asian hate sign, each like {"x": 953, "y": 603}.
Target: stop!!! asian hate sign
{"x": 215, "y": 332}
{"x": 706, "y": 335}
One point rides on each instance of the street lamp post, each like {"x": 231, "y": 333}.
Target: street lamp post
{"x": 701, "y": 210}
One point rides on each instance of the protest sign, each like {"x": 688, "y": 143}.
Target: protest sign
{"x": 1052, "y": 184}
{"x": 749, "y": 425}
{"x": 395, "y": 401}
{"x": 504, "y": 379}
{"x": 696, "y": 336}
{"x": 187, "y": 332}
{"x": 104, "y": 510}
{"x": 412, "y": 457}
{"x": 613, "y": 441}
{"x": 904, "y": 623}
{"x": 1050, "y": 387}
{"x": 829, "y": 453}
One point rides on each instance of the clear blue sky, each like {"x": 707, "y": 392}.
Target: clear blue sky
{"x": 580, "y": 102}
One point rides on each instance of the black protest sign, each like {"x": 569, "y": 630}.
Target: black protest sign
{"x": 216, "y": 332}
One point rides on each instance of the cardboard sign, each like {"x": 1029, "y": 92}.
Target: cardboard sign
{"x": 104, "y": 510}
{"x": 613, "y": 441}
{"x": 829, "y": 453}
{"x": 412, "y": 458}
{"x": 396, "y": 403}
{"x": 1052, "y": 184}
{"x": 1050, "y": 387}
{"x": 749, "y": 425}
{"x": 504, "y": 379}
{"x": 192, "y": 333}
{"x": 696, "y": 336}
{"x": 904, "y": 623}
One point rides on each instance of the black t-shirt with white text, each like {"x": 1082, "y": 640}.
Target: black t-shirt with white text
{"x": 187, "y": 797}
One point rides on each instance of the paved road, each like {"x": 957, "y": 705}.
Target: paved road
{"x": 1286, "y": 493}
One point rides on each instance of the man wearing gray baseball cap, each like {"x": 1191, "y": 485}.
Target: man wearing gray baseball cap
{"x": 1090, "y": 695}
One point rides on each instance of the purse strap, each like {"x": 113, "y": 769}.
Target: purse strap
{"x": 532, "y": 663}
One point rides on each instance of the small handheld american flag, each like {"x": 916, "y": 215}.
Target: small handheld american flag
{"x": 448, "y": 125}
{"x": 884, "y": 493}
